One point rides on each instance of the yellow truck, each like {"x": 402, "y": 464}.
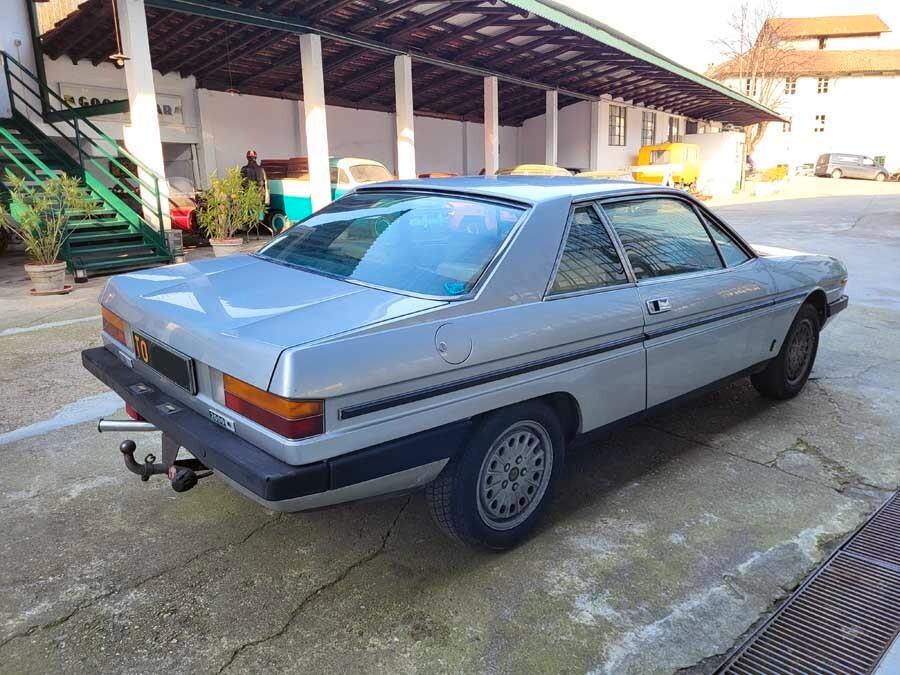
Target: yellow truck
{"x": 668, "y": 164}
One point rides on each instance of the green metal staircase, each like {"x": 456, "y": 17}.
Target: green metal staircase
{"x": 125, "y": 231}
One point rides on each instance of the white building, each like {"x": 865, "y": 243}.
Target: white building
{"x": 840, "y": 88}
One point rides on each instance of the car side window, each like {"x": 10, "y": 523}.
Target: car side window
{"x": 589, "y": 259}
{"x": 662, "y": 237}
{"x": 728, "y": 247}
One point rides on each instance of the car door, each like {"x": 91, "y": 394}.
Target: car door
{"x": 703, "y": 294}
{"x": 592, "y": 304}
{"x": 852, "y": 167}
{"x": 868, "y": 169}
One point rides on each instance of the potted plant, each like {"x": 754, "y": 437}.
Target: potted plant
{"x": 231, "y": 204}
{"x": 39, "y": 216}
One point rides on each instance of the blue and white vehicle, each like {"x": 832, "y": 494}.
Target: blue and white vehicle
{"x": 289, "y": 194}
{"x": 454, "y": 335}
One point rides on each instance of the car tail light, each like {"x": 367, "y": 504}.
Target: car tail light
{"x": 289, "y": 417}
{"x": 132, "y": 413}
{"x": 113, "y": 325}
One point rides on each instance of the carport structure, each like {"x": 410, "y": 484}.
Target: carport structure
{"x": 528, "y": 57}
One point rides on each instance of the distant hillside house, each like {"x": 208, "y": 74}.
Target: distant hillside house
{"x": 838, "y": 85}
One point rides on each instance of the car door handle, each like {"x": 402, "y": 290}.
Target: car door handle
{"x": 658, "y": 305}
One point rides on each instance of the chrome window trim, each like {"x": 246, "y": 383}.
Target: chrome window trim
{"x": 691, "y": 205}
{"x": 592, "y": 204}
{"x": 527, "y": 210}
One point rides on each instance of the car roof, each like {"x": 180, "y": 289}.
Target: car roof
{"x": 530, "y": 189}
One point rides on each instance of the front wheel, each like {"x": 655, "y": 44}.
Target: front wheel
{"x": 880, "y": 177}
{"x": 787, "y": 373}
{"x": 494, "y": 492}
{"x": 278, "y": 221}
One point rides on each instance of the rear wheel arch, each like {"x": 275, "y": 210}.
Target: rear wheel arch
{"x": 563, "y": 404}
{"x": 568, "y": 411}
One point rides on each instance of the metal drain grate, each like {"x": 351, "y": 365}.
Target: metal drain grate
{"x": 843, "y": 618}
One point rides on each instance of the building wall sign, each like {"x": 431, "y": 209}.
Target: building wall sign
{"x": 80, "y": 96}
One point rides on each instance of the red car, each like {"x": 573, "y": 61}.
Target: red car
{"x": 183, "y": 204}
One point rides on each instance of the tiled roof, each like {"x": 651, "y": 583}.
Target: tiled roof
{"x": 824, "y": 62}
{"x": 828, "y": 26}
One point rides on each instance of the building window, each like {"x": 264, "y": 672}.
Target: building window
{"x": 820, "y": 124}
{"x": 790, "y": 86}
{"x": 750, "y": 87}
{"x": 648, "y": 128}
{"x": 617, "y": 125}
{"x": 786, "y": 127}
{"x": 822, "y": 85}
{"x": 674, "y": 130}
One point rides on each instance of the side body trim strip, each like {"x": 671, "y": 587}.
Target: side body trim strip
{"x": 464, "y": 383}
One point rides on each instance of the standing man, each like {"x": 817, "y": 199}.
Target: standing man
{"x": 252, "y": 171}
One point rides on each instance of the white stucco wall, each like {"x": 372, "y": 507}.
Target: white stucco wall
{"x": 106, "y": 75}
{"x": 14, "y": 39}
{"x": 720, "y": 161}
{"x": 860, "y": 118}
{"x": 574, "y": 137}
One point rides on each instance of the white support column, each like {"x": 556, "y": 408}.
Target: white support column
{"x": 491, "y": 126}
{"x": 316, "y": 120}
{"x": 552, "y": 129}
{"x": 594, "y": 146}
{"x": 142, "y": 136}
{"x": 406, "y": 133}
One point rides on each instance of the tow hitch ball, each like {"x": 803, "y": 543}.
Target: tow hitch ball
{"x": 183, "y": 473}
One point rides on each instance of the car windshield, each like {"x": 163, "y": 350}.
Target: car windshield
{"x": 370, "y": 173}
{"x": 418, "y": 243}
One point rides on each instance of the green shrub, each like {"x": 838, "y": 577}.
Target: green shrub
{"x": 39, "y": 215}
{"x": 231, "y": 204}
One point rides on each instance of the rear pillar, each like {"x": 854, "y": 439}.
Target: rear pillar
{"x": 315, "y": 120}
{"x": 552, "y": 128}
{"x": 406, "y": 134}
{"x": 491, "y": 126}
{"x": 142, "y": 135}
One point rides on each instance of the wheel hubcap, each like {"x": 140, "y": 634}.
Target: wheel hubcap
{"x": 799, "y": 350}
{"x": 514, "y": 475}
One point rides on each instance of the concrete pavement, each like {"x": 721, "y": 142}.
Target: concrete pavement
{"x": 667, "y": 543}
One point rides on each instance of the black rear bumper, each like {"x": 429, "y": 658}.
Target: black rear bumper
{"x": 259, "y": 472}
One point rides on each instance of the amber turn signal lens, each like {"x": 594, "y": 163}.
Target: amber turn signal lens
{"x": 288, "y": 417}
{"x": 113, "y": 325}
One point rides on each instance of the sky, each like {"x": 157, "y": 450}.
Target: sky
{"x": 686, "y": 31}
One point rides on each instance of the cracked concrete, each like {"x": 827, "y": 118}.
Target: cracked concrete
{"x": 667, "y": 542}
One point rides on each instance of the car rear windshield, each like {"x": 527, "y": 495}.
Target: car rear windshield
{"x": 426, "y": 244}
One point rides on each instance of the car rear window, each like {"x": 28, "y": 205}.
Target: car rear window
{"x": 435, "y": 245}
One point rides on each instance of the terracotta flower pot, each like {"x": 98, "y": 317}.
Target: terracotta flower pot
{"x": 223, "y": 247}
{"x": 47, "y": 278}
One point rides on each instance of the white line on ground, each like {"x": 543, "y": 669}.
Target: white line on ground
{"x": 83, "y": 410}
{"x": 42, "y": 326}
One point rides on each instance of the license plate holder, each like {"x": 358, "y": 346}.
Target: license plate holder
{"x": 169, "y": 363}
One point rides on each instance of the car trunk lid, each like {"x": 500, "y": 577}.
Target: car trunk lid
{"x": 238, "y": 314}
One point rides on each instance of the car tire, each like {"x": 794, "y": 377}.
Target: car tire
{"x": 278, "y": 221}
{"x": 485, "y": 501}
{"x": 787, "y": 373}
{"x": 881, "y": 177}
{"x": 837, "y": 173}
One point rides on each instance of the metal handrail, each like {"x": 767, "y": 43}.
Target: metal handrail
{"x": 76, "y": 125}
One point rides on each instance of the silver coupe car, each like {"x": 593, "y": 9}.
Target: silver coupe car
{"x": 454, "y": 335}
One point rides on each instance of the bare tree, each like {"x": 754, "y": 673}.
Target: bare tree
{"x": 756, "y": 56}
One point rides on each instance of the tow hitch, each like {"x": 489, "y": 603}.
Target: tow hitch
{"x": 182, "y": 473}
